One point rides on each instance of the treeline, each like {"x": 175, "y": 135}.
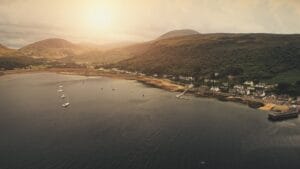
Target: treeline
{"x": 60, "y": 64}
{"x": 9, "y": 63}
{"x": 292, "y": 89}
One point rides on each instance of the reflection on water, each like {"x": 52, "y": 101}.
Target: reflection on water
{"x": 133, "y": 127}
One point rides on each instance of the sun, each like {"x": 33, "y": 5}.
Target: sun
{"x": 99, "y": 19}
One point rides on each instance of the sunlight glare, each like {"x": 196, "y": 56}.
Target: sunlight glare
{"x": 99, "y": 19}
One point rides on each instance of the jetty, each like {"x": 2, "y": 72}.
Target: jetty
{"x": 279, "y": 116}
{"x": 186, "y": 90}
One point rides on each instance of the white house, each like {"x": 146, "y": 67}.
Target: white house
{"x": 238, "y": 87}
{"x": 215, "y": 89}
{"x": 225, "y": 84}
{"x": 186, "y": 78}
{"x": 249, "y": 83}
{"x": 206, "y": 80}
{"x": 260, "y": 85}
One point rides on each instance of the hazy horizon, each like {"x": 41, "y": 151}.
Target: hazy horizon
{"x": 26, "y": 21}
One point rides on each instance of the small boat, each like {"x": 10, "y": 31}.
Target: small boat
{"x": 65, "y": 105}
{"x": 60, "y": 86}
{"x": 60, "y": 90}
{"x": 63, "y": 96}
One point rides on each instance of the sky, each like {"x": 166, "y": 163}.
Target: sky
{"x": 107, "y": 21}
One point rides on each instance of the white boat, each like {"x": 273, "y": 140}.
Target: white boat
{"x": 65, "y": 105}
{"x": 60, "y": 86}
{"x": 63, "y": 96}
{"x": 60, "y": 90}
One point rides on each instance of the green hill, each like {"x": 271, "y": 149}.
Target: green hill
{"x": 247, "y": 56}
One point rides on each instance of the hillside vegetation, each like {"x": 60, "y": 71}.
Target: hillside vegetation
{"x": 114, "y": 55}
{"x": 12, "y": 62}
{"x": 247, "y": 56}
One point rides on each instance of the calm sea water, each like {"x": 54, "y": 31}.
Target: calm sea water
{"x": 122, "y": 129}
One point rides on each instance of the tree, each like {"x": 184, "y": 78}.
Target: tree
{"x": 283, "y": 88}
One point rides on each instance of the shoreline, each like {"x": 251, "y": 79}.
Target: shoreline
{"x": 164, "y": 84}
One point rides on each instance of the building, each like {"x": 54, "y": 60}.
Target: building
{"x": 141, "y": 74}
{"x": 298, "y": 100}
{"x": 251, "y": 88}
{"x": 225, "y": 84}
{"x": 248, "y": 92}
{"x": 206, "y": 80}
{"x": 260, "y": 85}
{"x": 115, "y": 69}
{"x": 249, "y": 83}
{"x": 186, "y": 78}
{"x": 224, "y": 87}
{"x": 239, "y": 89}
{"x": 215, "y": 89}
{"x": 167, "y": 76}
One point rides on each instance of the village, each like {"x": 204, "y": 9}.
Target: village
{"x": 250, "y": 90}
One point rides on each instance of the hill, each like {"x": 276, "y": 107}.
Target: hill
{"x": 248, "y": 56}
{"x": 104, "y": 56}
{"x": 5, "y": 50}
{"x": 52, "y": 49}
{"x": 178, "y": 33}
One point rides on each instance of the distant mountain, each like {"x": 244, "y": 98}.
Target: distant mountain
{"x": 249, "y": 56}
{"x": 178, "y": 33}
{"x": 115, "y": 45}
{"x": 67, "y": 51}
{"x": 104, "y": 55}
{"x": 5, "y": 50}
{"x": 52, "y": 49}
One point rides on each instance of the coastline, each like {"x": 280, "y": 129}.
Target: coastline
{"x": 164, "y": 84}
